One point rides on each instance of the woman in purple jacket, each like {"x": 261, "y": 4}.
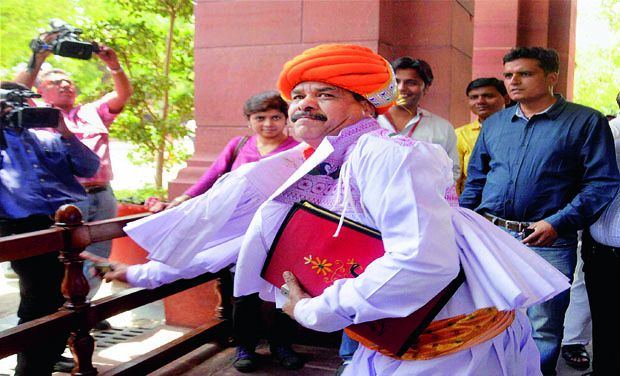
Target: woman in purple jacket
{"x": 267, "y": 114}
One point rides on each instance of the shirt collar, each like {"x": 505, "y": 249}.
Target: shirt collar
{"x": 552, "y": 112}
{"x": 476, "y": 124}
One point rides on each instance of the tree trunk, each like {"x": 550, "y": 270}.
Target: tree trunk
{"x": 159, "y": 167}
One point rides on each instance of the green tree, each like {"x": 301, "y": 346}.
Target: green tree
{"x": 154, "y": 41}
{"x": 597, "y": 65}
{"x": 21, "y": 21}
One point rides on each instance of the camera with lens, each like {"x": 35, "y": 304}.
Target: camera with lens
{"x": 67, "y": 43}
{"x": 15, "y": 112}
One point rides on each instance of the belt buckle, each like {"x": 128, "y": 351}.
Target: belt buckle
{"x": 512, "y": 225}
{"x": 493, "y": 219}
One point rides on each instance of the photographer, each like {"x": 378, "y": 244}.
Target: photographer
{"x": 37, "y": 169}
{"x": 89, "y": 122}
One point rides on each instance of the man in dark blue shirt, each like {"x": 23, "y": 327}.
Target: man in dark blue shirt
{"x": 542, "y": 170}
{"x": 37, "y": 169}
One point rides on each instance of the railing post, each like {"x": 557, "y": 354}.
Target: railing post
{"x": 225, "y": 308}
{"x": 225, "y": 287}
{"x": 75, "y": 286}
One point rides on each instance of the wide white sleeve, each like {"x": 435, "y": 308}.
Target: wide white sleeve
{"x": 175, "y": 236}
{"x": 402, "y": 188}
{"x": 154, "y": 274}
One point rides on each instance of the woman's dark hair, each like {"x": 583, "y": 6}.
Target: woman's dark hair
{"x": 267, "y": 100}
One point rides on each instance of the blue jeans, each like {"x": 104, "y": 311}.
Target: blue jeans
{"x": 547, "y": 318}
{"x": 98, "y": 206}
{"x": 347, "y": 347}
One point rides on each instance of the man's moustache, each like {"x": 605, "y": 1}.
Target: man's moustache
{"x": 299, "y": 114}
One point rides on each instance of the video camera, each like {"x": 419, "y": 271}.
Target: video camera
{"x": 67, "y": 43}
{"x": 17, "y": 114}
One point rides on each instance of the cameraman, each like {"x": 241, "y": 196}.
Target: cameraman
{"x": 37, "y": 169}
{"x": 89, "y": 122}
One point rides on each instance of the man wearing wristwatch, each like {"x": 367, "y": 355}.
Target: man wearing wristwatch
{"x": 89, "y": 122}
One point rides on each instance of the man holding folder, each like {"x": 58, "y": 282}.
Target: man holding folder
{"x": 393, "y": 184}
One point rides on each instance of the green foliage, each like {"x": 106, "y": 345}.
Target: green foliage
{"x": 597, "y": 66}
{"x": 139, "y": 196}
{"x": 139, "y": 31}
{"x": 21, "y": 21}
{"x": 163, "y": 83}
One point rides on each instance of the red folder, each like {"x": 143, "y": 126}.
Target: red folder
{"x": 305, "y": 246}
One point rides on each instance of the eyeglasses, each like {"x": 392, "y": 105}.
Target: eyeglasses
{"x": 59, "y": 82}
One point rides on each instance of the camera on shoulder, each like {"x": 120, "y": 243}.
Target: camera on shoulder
{"x": 16, "y": 113}
{"x": 68, "y": 42}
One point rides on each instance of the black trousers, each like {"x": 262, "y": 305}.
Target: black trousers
{"x": 601, "y": 267}
{"x": 247, "y": 324}
{"x": 40, "y": 278}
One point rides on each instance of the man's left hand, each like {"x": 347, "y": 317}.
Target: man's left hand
{"x": 62, "y": 128}
{"x": 544, "y": 235}
{"x": 295, "y": 294}
{"x": 108, "y": 56}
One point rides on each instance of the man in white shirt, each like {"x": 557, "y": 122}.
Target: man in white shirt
{"x": 414, "y": 78}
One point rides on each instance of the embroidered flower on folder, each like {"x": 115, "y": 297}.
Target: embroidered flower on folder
{"x": 321, "y": 266}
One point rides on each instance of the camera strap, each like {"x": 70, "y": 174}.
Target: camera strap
{"x": 36, "y": 45}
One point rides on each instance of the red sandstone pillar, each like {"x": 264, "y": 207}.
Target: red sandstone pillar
{"x": 240, "y": 47}
{"x": 440, "y": 32}
{"x": 502, "y": 25}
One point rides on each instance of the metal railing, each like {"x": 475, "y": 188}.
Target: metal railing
{"x": 70, "y": 236}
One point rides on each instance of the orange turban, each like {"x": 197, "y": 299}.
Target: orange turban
{"x": 354, "y": 68}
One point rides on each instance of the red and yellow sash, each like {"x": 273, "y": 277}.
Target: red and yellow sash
{"x": 447, "y": 336}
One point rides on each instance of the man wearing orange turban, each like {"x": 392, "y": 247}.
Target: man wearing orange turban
{"x": 354, "y": 68}
{"x": 350, "y": 165}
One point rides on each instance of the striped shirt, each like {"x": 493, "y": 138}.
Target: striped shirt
{"x": 606, "y": 230}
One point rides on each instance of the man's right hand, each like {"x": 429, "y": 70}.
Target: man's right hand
{"x": 28, "y": 76}
{"x": 160, "y": 206}
{"x": 543, "y": 236}
{"x": 117, "y": 271}
{"x": 46, "y": 38}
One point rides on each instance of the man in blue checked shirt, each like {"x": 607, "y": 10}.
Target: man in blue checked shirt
{"x": 542, "y": 170}
{"x": 37, "y": 169}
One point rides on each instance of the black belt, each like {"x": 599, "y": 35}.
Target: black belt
{"x": 600, "y": 248}
{"x": 95, "y": 188}
{"x": 506, "y": 223}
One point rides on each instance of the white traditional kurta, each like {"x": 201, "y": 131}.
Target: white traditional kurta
{"x": 395, "y": 185}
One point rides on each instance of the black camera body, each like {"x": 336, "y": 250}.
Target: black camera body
{"x": 15, "y": 112}
{"x": 67, "y": 43}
